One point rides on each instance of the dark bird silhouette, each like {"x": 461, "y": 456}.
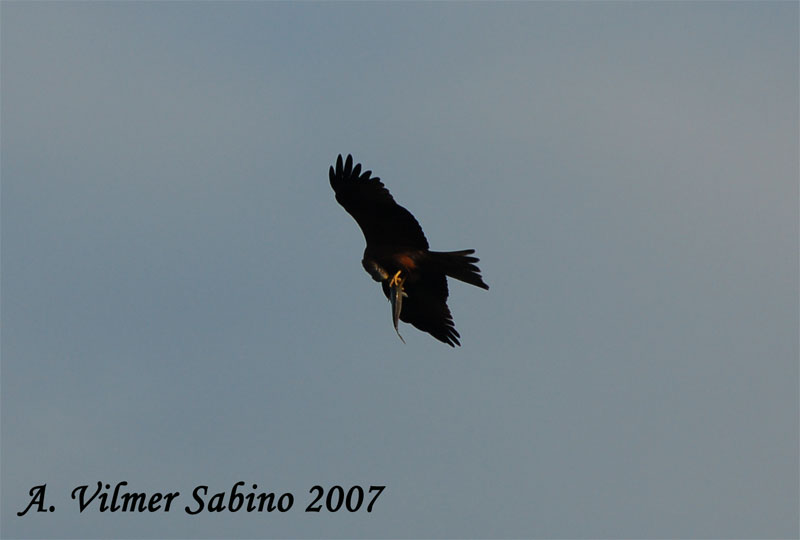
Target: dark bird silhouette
{"x": 413, "y": 278}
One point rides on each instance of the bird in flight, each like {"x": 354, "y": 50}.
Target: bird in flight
{"x": 412, "y": 277}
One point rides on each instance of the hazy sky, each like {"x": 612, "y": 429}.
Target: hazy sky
{"x": 183, "y": 302}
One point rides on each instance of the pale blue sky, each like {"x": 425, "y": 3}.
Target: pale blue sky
{"x": 183, "y": 301}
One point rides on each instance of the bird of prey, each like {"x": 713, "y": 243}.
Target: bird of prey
{"x": 413, "y": 278}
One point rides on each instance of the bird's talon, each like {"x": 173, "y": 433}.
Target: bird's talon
{"x": 396, "y": 280}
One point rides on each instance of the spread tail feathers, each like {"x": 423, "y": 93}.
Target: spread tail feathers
{"x": 459, "y": 265}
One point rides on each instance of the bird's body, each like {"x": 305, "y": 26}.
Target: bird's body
{"x": 412, "y": 277}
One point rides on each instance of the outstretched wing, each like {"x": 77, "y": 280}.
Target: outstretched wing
{"x": 426, "y": 307}
{"x": 383, "y": 221}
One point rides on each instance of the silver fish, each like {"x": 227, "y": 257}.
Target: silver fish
{"x": 396, "y": 294}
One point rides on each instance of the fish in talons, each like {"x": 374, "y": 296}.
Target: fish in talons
{"x": 396, "y": 294}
